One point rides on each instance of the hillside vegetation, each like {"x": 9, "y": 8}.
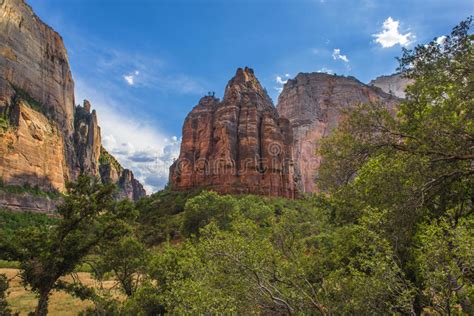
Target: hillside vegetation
{"x": 391, "y": 233}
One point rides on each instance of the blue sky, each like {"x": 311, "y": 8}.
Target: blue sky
{"x": 145, "y": 64}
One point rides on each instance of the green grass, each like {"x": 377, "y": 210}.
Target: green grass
{"x": 4, "y": 123}
{"x": 5, "y": 264}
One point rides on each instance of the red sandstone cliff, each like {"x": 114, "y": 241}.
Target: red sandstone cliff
{"x": 45, "y": 140}
{"x": 237, "y": 145}
{"x": 315, "y": 103}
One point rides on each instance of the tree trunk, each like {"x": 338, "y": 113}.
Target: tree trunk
{"x": 42, "y": 307}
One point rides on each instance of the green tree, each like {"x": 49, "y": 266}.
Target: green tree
{"x": 89, "y": 216}
{"x": 126, "y": 259}
{"x": 416, "y": 166}
{"x": 5, "y": 309}
{"x": 200, "y": 210}
{"x": 445, "y": 263}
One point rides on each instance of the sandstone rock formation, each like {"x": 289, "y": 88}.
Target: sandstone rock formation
{"x": 394, "y": 84}
{"x": 32, "y": 150}
{"x": 45, "y": 140}
{"x": 87, "y": 140}
{"x": 33, "y": 60}
{"x": 315, "y": 103}
{"x": 237, "y": 145}
{"x": 111, "y": 171}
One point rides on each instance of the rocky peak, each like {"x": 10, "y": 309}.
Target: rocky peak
{"x": 87, "y": 139}
{"x": 245, "y": 84}
{"x": 208, "y": 101}
{"x": 238, "y": 145}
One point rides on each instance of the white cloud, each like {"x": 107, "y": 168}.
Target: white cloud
{"x": 130, "y": 78}
{"x": 325, "y": 70}
{"x": 280, "y": 81}
{"x": 336, "y": 54}
{"x": 391, "y": 36}
{"x": 441, "y": 39}
{"x": 136, "y": 143}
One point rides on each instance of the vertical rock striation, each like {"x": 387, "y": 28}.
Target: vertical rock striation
{"x": 315, "y": 103}
{"x": 87, "y": 140}
{"x": 45, "y": 140}
{"x": 237, "y": 145}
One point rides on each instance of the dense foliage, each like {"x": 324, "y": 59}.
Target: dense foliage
{"x": 392, "y": 232}
{"x": 417, "y": 167}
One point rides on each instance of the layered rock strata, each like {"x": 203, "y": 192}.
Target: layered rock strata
{"x": 45, "y": 140}
{"x": 237, "y": 145}
{"x": 315, "y": 103}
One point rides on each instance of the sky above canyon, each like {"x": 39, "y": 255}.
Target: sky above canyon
{"x": 145, "y": 64}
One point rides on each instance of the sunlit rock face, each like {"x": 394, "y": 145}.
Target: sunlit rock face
{"x": 315, "y": 103}
{"x": 237, "y": 145}
{"x": 45, "y": 140}
{"x": 394, "y": 84}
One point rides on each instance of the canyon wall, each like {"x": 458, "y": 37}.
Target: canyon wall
{"x": 315, "y": 103}
{"x": 394, "y": 84}
{"x": 45, "y": 139}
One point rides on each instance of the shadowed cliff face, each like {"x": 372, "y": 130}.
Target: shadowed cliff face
{"x": 237, "y": 145}
{"x": 315, "y": 103}
{"x": 43, "y": 135}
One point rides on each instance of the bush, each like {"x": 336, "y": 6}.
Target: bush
{"x": 4, "y": 308}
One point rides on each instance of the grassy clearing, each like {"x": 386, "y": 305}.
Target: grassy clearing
{"x": 23, "y": 301}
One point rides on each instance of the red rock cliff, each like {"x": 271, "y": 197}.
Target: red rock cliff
{"x": 237, "y": 145}
{"x": 45, "y": 140}
{"x": 314, "y": 103}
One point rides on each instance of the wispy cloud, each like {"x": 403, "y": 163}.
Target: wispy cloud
{"x": 281, "y": 80}
{"x": 391, "y": 36}
{"x": 325, "y": 70}
{"x": 441, "y": 39}
{"x": 136, "y": 143}
{"x": 130, "y": 78}
{"x": 336, "y": 54}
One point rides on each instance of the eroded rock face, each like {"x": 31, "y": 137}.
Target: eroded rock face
{"x": 87, "y": 140}
{"x": 33, "y": 60}
{"x": 394, "y": 84}
{"x": 45, "y": 140}
{"x": 237, "y": 145}
{"x": 111, "y": 172}
{"x": 31, "y": 150}
{"x": 315, "y": 103}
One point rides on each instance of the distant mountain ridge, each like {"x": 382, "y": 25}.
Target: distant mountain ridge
{"x": 45, "y": 140}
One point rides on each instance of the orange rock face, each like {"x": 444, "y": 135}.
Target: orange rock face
{"x": 32, "y": 152}
{"x": 45, "y": 140}
{"x": 315, "y": 103}
{"x": 237, "y": 145}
